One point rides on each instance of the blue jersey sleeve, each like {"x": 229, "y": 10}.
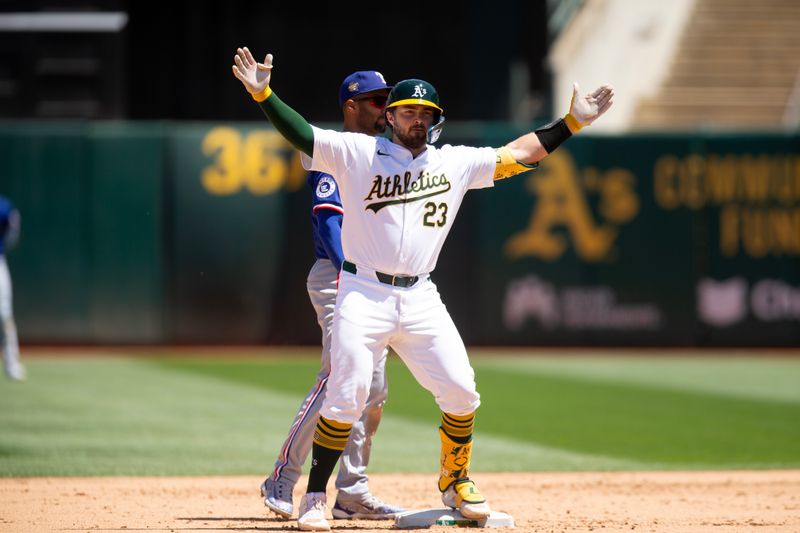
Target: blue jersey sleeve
{"x": 325, "y": 191}
{"x": 326, "y": 217}
{"x": 330, "y": 232}
{"x": 9, "y": 225}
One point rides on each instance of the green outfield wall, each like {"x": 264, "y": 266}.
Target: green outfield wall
{"x": 200, "y": 233}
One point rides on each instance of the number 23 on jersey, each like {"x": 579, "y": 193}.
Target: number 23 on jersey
{"x": 435, "y": 215}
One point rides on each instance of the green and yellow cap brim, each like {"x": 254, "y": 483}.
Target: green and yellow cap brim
{"x": 415, "y": 101}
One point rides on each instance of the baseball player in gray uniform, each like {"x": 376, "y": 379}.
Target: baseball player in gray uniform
{"x": 362, "y": 97}
{"x": 401, "y": 196}
{"x": 9, "y": 234}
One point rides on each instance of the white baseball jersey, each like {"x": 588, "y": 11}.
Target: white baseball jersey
{"x": 399, "y": 209}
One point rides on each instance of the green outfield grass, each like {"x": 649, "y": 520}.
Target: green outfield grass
{"x": 162, "y": 415}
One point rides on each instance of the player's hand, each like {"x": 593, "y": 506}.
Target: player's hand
{"x": 253, "y": 75}
{"x": 585, "y": 109}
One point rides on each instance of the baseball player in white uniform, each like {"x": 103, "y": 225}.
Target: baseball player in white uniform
{"x": 362, "y": 98}
{"x": 401, "y": 196}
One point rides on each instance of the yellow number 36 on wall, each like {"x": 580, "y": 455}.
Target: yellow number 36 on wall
{"x": 261, "y": 161}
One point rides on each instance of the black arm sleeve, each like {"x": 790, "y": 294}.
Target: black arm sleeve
{"x": 289, "y": 123}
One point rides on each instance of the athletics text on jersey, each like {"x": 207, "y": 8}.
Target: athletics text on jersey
{"x": 399, "y": 208}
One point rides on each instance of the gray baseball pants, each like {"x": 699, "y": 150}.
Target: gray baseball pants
{"x": 352, "y": 478}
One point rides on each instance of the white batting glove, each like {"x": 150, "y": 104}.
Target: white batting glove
{"x": 253, "y": 75}
{"x": 583, "y": 110}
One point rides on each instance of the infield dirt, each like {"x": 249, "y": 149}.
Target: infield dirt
{"x": 690, "y": 502}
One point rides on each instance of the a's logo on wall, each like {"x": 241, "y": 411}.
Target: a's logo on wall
{"x": 722, "y": 303}
{"x": 562, "y": 215}
{"x": 419, "y": 91}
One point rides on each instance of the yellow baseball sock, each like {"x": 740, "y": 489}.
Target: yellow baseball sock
{"x": 330, "y": 439}
{"x": 332, "y": 434}
{"x": 456, "y": 436}
{"x": 458, "y": 427}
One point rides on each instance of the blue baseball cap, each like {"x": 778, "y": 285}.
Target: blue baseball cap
{"x": 361, "y": 82}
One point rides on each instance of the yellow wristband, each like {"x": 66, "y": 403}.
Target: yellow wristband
{"x": 573, "y": 125}
{"x": 263, "y": 95}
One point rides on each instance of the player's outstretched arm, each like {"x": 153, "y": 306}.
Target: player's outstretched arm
{"x": 256, "y": 77}
{"x": 583, "y": 110}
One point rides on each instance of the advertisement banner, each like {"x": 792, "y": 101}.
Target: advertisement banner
{"x": 652, "y": 240}
{"x": 200, "y": 233}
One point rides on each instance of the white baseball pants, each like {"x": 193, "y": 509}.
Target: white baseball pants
{"x": 352, "y": 477}
{"x": 9, "y": 329}
{"x": 371, "y": 315}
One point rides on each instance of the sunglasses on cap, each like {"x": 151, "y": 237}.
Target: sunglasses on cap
{"x": 378, "y": 101}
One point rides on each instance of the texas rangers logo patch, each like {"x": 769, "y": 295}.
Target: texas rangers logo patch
{"x": 325, "y": 187}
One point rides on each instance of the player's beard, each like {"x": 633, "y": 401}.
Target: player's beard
{"x": 414, "y": 138}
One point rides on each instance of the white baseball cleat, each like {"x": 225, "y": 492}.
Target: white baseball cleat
{"x": 16, "y": 372}
{"x": 364, "y": 507}
{"x": 465, "y": 496}
{"x": 312, "y": 512}
{"x": 277, "y": 496}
